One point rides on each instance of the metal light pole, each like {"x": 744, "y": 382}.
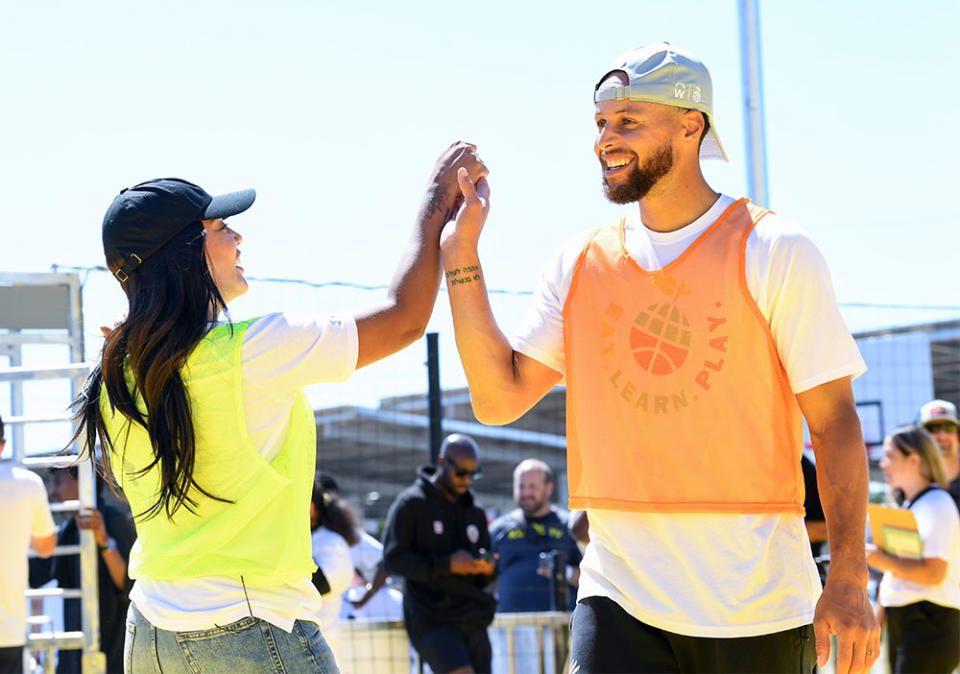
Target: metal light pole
{"x": 434, "y": 396}
{"x": 754, "y": 132}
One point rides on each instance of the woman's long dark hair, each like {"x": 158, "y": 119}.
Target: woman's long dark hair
{"x": 172, "y": 299}
{"x": 333, "y": 512}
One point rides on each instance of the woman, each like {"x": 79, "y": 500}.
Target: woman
{"x": 206, "y": 428}
{"x": 921, "y": 597}
{"x": 334, "y": 529}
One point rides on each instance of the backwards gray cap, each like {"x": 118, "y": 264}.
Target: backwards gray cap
{"x": 668, "y": 75}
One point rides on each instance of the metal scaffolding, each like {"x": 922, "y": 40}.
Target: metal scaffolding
{"x": 46, "y": 309}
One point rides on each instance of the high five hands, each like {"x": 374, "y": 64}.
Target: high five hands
{"x": 466, "y": 228}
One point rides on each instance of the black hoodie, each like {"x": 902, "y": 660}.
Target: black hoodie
{"x": 423, "y": 529}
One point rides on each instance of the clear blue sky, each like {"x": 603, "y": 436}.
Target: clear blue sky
{"x": 335, "y": 113}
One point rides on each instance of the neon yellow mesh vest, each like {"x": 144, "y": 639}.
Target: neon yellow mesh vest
{"x": 264, "y": 535}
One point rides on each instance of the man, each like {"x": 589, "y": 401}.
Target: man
{"x": 437, "y": 539}
{"x": 521, "y": 535}
{"x": 114, "y": 533}
{"x": 521, "y": 539}
{"x": 26, "y": 524}
{"x": 939, "y": 417}
{"x": 692, "y": 336}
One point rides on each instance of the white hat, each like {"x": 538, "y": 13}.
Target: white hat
{"x": 938, "y": 410}
{"x": 668, "y": 75}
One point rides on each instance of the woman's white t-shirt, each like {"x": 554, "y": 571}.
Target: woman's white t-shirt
{"x": 939, "y": 526}
{"x": 280, "y": 355}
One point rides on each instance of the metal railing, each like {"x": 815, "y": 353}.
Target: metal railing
{"x": 523, "y": 643}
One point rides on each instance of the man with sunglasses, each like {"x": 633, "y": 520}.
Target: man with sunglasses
{"x": 939, "y": 417}
{"x": 437, "y": 539}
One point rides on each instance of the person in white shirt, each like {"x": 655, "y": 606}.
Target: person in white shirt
{"x": 368, "y": 599}
{"x": 334, "y": 531}
{"x": 701, "y": 568}
{"x": 921, "y": 597}
{"x": 207, "y": 429}
{"x": 27, "y": 524}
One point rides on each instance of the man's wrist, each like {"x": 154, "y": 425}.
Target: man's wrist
{"x": 437, "y": 201}
{"x": 111, "y": 544}
{"x": 457, "y": 250}
{"x": 854, "y": 574}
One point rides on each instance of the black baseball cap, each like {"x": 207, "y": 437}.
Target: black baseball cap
{"x": 142, "y": 219}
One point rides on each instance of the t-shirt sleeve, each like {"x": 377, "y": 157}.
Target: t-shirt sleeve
{"x": 291, "y": 352}
{"x": 41, "y": 520}
{"x": 794, "y": 291}
{"x": 541, "y": 334}
{"x": 938, "y": 524}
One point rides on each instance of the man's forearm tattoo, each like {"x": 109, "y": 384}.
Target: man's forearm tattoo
{"x": 462, "y": 275}
{"x": 438, "y": 204}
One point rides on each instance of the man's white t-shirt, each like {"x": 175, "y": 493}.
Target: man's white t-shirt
{"x": 712, "y": 575}
{"x": 939, "y": 526}
{"x": 280, "y": 355}
{"x": 26, "y": 514}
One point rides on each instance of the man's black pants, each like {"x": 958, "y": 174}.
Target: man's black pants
{"x": 923, "y": 637}
{"x": 11, "y": 660}
{"x": 607, "y": 639}
{"x": 449, "y": 647}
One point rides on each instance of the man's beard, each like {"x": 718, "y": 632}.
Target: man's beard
{"x": 641, "y": 179}
{"x": 529, "y": 508}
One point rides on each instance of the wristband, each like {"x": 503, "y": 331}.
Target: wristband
{"x": 111, "y": 544}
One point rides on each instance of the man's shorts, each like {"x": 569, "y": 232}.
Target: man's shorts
{"x": 447, "y": 647}
{"x": 607, "y": 639}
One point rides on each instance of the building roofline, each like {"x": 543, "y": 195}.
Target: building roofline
{"x": 904, "y": 329}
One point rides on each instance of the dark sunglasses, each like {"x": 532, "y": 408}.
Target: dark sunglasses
{"x": 947, "y": 426}
{"x": 462, "y": 472}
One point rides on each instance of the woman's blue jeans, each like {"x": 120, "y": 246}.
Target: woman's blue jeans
{"x": 246, "y": 646}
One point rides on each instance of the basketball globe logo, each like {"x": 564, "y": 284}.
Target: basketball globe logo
{"x": 660, "y": 338}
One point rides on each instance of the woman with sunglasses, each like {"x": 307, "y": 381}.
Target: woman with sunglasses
{"x": 206, "y": 428}
{"x": 921, "y": 597}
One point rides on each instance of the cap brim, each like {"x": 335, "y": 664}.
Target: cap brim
{"x": 226, "y": 205}
{"x": 941, "y": 419}
{"x": 711, "y": 148}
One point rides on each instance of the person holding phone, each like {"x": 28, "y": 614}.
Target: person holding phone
{"x": 921, "y": 597}
{"x": 436, "y": 537}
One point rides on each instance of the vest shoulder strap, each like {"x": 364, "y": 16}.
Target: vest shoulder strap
{"x": 916, "y": 498}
